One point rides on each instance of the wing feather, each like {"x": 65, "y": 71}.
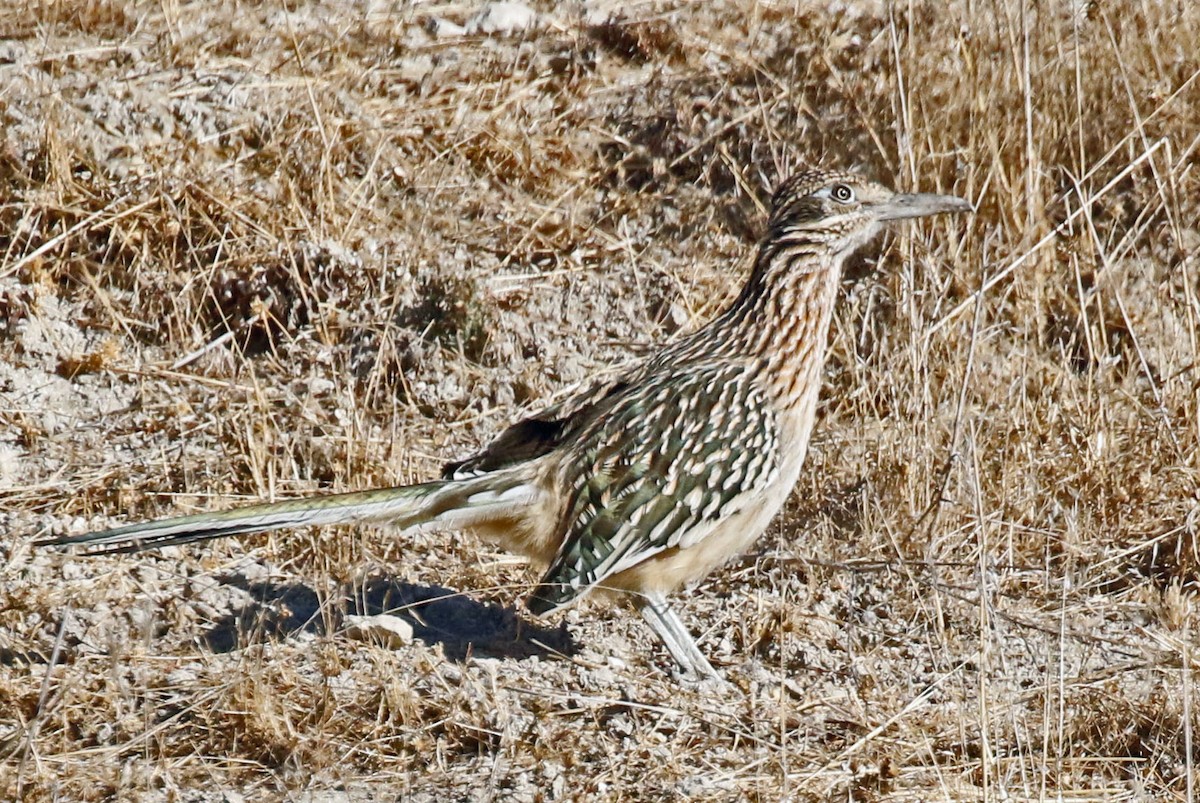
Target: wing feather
{"x": 660, "y": 469}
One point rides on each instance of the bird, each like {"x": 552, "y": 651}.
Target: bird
{"x": 641, "y": 484}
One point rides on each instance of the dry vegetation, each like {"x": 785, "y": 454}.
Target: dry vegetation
{"x": 260, "y": 250}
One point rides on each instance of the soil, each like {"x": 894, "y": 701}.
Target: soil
{"x": 258, "y": 251}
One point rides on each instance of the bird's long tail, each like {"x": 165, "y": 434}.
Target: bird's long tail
{"x": 443, "y": 504}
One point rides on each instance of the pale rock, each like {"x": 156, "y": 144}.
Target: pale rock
{"x": 384, "y": 629}
{"x": 503, "y": 18}
{"x": 445, "y": 29}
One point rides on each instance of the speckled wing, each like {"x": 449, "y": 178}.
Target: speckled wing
{"x": 658, "y": 468}
{"x": 533, "y": 437}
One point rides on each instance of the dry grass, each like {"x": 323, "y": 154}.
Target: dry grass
{"x": 260, "y": 250}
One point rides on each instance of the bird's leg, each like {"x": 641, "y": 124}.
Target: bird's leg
{"x": 679, "y": 642}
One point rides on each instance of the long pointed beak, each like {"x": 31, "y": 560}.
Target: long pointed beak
{"x": 920, "y": 204}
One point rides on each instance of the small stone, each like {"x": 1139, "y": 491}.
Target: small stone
{"x": 445, "y": 29}
{"x": 503, "y": 18}
{"x": 384, "y": 629}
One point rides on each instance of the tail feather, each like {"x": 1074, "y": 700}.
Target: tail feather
{"x": 444, "y": 504}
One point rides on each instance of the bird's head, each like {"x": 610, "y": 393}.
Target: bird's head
{"x": 843, "y": 211}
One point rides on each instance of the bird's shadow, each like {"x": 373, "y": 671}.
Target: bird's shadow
{"x": 438, "y": 615}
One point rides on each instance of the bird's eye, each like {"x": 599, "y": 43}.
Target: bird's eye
{"x": 841, "y": 193}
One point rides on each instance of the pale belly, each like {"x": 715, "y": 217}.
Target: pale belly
{"x": 675, "y": 568}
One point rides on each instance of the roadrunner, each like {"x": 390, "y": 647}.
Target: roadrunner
{"x": 646, "y": 483}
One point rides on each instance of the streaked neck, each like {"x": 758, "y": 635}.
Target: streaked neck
{"x": 780, "y": 320}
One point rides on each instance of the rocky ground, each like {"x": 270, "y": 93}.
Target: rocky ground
{"x": 264, "y": 250}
